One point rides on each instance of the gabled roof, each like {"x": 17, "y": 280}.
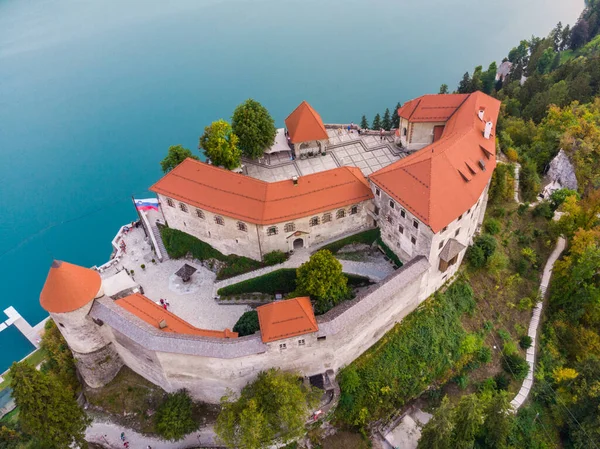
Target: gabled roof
{"x": 153, "y": 314}
{"x": 431, "y": 108}
{"x": 451, "y": 249}
{"x": 69, "y": 287}
{"x": 285, "y": 319}
{"x": 437, "y": 183}
{"x": 305, "y": 124}
{"x": 248, "y": 199}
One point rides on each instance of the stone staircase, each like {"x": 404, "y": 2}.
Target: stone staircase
{"x": 159, "y": 241}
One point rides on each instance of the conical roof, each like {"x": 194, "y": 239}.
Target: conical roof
{"x": 69, "y": 287}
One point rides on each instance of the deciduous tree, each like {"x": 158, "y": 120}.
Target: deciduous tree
{"x": 176, "y": 155}
{"x": 60, "y": 358}
{"x": 173, "y": 419}
{"x": 437, "y": 434}
{"x": 255, "y": 127}
{"x": 220, "y": 145}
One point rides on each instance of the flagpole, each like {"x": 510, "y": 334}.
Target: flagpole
{"x": 139, "y": 216}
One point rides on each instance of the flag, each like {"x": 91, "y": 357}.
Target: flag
{"x": 146, "y": 204}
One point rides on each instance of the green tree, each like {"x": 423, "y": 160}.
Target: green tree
{"x": 60, "y": 360}
{"x": 464, "y": 87}
{"x": 364, "y": 124}
{"x": 47, "y": 410}
{"x": 545, "y": 61}
{"x": 377, "y": 123}
{"x": 386, "y": 122}
{"x": 220, "y": 145}
{"x": 176, "y": 155}
{"x": 173, "y": 419}
{"x": 529, "y": 180}
{"x": 488, "y": 78}
{"x": 272, "y": 408}
{"x": 255, "y": 127}
{"x": 437, "y": 433}
{"x": 468, "y": 418}
{"x": 322, "y": 279}
{"x": 247, "y": 324}
{"x": 396, "y": 117}
{"x": 475, "y": 256}
{"x": 443, "y": 89}
{"x": 498, "y": 421}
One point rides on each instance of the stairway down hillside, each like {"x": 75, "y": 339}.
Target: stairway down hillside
{"x": 159, "y": 241}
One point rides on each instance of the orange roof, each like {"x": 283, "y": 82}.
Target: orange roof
{"x": 445, "y": 179}
{"x": 244, "y": 198}
{"x": 285, "y": 319}
{"x": 304, "y": 124}
{"x": 153, "y": 314}
{"x": 431, "y": 108}
{"x": 69, "y": 287}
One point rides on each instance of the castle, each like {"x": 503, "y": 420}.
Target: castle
{"x": 428, "y": 200}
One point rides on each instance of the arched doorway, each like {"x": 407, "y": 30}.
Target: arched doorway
{"x": 298, "y": 243}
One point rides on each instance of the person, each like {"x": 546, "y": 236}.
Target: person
{"x": 381, "y": 134}
{"x": 349, "y": 127}
{"x": 167, "y": 303}
{"x": 122, "y": 436}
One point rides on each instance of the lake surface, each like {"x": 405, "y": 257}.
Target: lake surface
{"x": 92, "y": 93}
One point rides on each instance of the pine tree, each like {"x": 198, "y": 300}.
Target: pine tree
{"x": 444, "y": 89}
{"x": 396, "y": 117}
{"x": 377, "y": 122}
{"x": 364, "y": 124}
{"x": 386, "y": 123}
{"x": 465, "y": 84}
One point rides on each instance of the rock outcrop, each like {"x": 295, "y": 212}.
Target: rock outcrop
{"x": 562, "y": 171}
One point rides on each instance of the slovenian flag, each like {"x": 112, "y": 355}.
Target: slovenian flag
{"x": 147, "y": 204}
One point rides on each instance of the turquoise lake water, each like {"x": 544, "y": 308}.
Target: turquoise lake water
{"x": 92, "y": 93}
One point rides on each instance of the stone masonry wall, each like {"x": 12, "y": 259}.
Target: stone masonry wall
{"x": 100, "y": 367}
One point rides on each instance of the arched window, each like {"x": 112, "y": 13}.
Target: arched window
{"x": 404, "y": 131}
{"x": 354, "y": 210}
{"x": 341, "y": 213}
{"x": 219, "y": 220}
{"x": 314, "y": 221}
{"x": 289, "y": 227}
{"x": 170, "y": 202}
{"x": 326, "y": 217}
{"x": 272, "y": 230}
{"x": 242, "y": 226}
{"x": 183, "y": 207}
{"x": 200, "y": 214}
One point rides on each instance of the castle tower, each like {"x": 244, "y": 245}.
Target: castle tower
{"x": 68, "y": 295}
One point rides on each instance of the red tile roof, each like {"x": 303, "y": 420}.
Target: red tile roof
{"x": 244, "y": 198}
{"x": 431, "y": 108}
{"x": 153, "y": 314}
{"x": 305, "y": 124}
{"x": 69, "y": 287}
{"x": 437, "y": 183}
{"x": 285, "y": 319}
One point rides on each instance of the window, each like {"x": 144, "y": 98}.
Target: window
{"x": 326, "y": 218}
{"x": 314, "y": 221}
{"x": 301, "y": 342}
{"x": 377, "y": 192}
{"x": 183, "y": 207}
{"x": 272, "y": 230}
{"x": 445, "y": 229}
{"x": 289, "y": 227}
{"x": 376, "y": 210}
{"x": 459, "y": 217}
{"x": 321, "y": 338}
{"x": 340, "y": 213}
{"x": 200, "y": 214}
{"x": 390, "y": 220}
{"x": 242, "y": 226}
{"x": 282, "y": 346}
{"x": 219, "y": 220}
{"x": 403, "y": 213}
{"x": 441, "y": 244}
{"x": 413, "y": 240}
{"x": 415, "y": 224}
{"x": 404, "y": 131}
{"x": 170, "y": 202}
{"x": 469, "y": 211}
{"x": 457, "y": 232}
{"x": 401, "y": 229}
{"x": 392, "y": 204}
{"x": 354, "y": 210}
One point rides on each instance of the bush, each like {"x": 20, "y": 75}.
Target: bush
{"x": 492, "y": 226}
{"x": 512, "y": 155}
{"x": 510, "y": 347}
{"x": 173, "y": 419}
{"x": 462, "y": 381}
{"x": 559, "y": 196}
{"x": 487, "y": 243}
{"x": 502, "y": 381}
{"x": 475, "y": 256}
{"x": 247, "y": 324}
{"x": 274, "y": 258}
{"x": 279, "y": 281}
{"x": 516, "y": 365}
{"x": 237, "y": 265}
{"x": 525, "y": 342}
{"x": 143, "y": 267}
{"x": 543, "y": 209}
{"x": 484, "y": 355}
{"x": 366, "y": 237}
{"x": 525, "y": 304}
{"x": 504, "y": 335}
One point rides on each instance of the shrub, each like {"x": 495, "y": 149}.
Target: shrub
{"x": 462, "y": 381}
{"x": 492, "y": 226}
{"x": 502, "y": 381}
{"x": 525, "y": 304}
{"x": 274, "y": 258}
{"x": 279, "y": 281}
{"x": 475, "y": 256}
{"x": 487, "y": 243}
{"x": 237, "y": 265}
{"x": 173, "y": 419}
{"x": 525, "y": 342}
{"x": 512, "y": 155}
{"x": 515, "y": 365}
{"x": 484, "y": 354}
{"x": 510, "y": 347}
{"x": 559, "y": 196}
{"x": 504, "y": 335}
{"x": 247, "y": 324}
{"x": 544, "y": 210}
{"x": 143, "y": 267}
{"x": 366, "y": 237}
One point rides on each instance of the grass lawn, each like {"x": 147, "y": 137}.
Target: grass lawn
{"x": 365, "y": 237}
{"x": 34, "y": 359}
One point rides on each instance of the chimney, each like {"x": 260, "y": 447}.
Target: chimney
{"x": 162, "y": 324}
{"x": 480, "y": 113}
{"x": 488, "y": 130}
{"x": 295, "y": 180}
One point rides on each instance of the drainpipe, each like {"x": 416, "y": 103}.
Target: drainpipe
{"x": 259, "y": 246}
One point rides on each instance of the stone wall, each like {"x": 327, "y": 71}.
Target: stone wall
{"x": 208, "y": 367}
{"x": 251, "y": 240}
{"x": 99, "y": 367}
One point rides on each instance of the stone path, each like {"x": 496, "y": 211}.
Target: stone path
{"x": 109, "y": 436}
